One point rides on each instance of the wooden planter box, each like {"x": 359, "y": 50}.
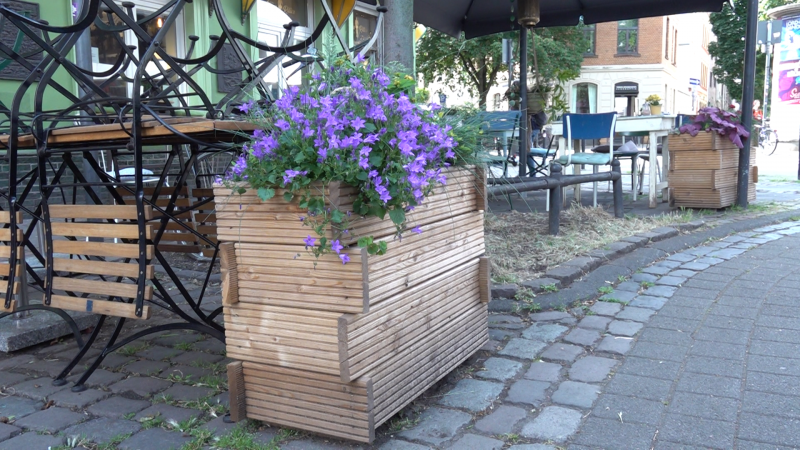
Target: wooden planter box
{"x": 703, "y": 171}
{"x": 338, "y": 349}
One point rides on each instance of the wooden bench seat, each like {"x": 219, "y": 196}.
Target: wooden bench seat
{"x": 82, "y": 277}
{"x": 5, "y": 253}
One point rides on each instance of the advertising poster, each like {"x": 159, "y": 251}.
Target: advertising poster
{"x": 789, "y": 48}
{"x": 789, "y": 83}
{"x": 788, "y": 55}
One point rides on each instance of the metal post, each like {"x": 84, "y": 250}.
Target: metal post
{"x": 617, "y": 180}
{"x": 748, "y": 85}
{"x": 524, "y": 141}
{"x": 767, "y": 76}
{"x": 555, "y": 199}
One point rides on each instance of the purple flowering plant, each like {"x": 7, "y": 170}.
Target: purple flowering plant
{"x": 714, "y": 119}
{"x": 351, "y": 124}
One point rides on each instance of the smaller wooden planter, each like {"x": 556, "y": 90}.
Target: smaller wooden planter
{"x": 338, "y": 349}
{"x": 703, "y": 171}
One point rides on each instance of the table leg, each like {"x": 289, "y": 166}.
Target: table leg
{"x": 665, "y": 168}
{"x": 653, "y": 163}
{"x": 576, "y": 170}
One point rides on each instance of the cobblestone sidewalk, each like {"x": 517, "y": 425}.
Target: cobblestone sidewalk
{"x": 699, "y": 349}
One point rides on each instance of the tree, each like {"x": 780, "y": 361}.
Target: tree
{"x": 728, "y": 26}
{"x": 475, "y": 63}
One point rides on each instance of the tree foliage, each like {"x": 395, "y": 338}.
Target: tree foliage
{"x": 729, "y": 26}
{"x": 475, "y": 64}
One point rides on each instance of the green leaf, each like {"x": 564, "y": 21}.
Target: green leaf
{"x": 378, "y": 212}
{"x": 398, "y": 216}
{"x": 363, "y": 176}
{"x": 376, "y": 160}
{"x": 337, "y": 216}
{"x": 370, "y": 127}
{"x": 299, "y": 157}
{"x": 288, "y": 196}
{"x": 383, "y": 247}
{"x": 266, "y": 193}
{"x": 364, "y": 241}
{"x": 241, "y": 190}
{"x": 373, "y": 249}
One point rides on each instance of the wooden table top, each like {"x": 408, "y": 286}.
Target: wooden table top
{"x": 153, "y": 133}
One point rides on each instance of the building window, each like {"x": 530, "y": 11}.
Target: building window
{"x": 675, "y": 49}
{"x": 666, "y": 47}
{"x": 628, "y": 37}
{"x": 590, "y": 33}
{"x": 365, "y": 22}
{"x": 584, "y": 98}
{"x": 496, "y": 100}
{"x": 272, "y": 16}
{"x": 295, "y": 9}
{"x": 703, "y": 76}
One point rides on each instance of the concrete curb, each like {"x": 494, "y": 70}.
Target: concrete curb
{"x": 577, "y": 279}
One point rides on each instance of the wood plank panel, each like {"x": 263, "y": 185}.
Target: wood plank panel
{"x": 100, "y": 249}
{"x": 116, "y": 309}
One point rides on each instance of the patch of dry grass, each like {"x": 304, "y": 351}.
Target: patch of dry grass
{"x": 520, "y": 248}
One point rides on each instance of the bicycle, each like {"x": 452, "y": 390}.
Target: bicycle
{"x": 767, "y": 138}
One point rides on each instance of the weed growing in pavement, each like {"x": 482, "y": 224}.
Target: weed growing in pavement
{"x": 525, "y": 295}
{"x": 530, "y": 307}
{"x": 613, "y": 300}
{"x": 647, "y": 284}
{"x": 151, "y": 422}
{"x": 402, "y": 423}
{"x": 242, "y": 439}
{"x": 180, "y": 378}
{"x": 185, "y": 346}
{"x": 550, "y": 287}
{"x": 216, "y": 382}
{"x": 605, "y": 290}
{"x": 510, "y": 438}
{"x": 130, "y": 350}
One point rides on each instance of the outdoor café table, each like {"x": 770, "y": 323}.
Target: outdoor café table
{"x": 656, "y": 126}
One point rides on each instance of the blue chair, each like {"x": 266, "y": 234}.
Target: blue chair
{"x": 503, "y": 126}
{"x": 589, "y": 127}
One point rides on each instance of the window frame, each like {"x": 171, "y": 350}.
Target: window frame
{"x": 628, "y": 30}
{"x": 372, "y": 10}
{"x": 591, "y": 30}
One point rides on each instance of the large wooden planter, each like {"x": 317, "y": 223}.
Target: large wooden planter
{"x": 338, "y": 349}
{"x": 703, "y": 171}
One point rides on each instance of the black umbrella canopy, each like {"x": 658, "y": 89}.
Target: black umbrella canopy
{"x": 481, "y": 17}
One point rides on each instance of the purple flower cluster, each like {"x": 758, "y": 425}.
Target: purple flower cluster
{"x": 344, "y": 125}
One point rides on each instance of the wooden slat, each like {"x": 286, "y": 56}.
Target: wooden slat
{"x": 5, "y": 235}
{"x": 104, "y": 230}
{"x": 5, "y": 269}
{"x": 484, "y": 279}
{"x": 110, "y": 288}
{"x": 101, "y": 268}
{"x": 5, "y": 252}
{"x": 11, "y": 308}
{"x": 121, "y": 212}
{"x": 116, "y": 309}
{"x": 5, "y": 217}
{"x": 4, "y": 286}
{"x": 100, "y": 249}
{"x": 174, "y": 248}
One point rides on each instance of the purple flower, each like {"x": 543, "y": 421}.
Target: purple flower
{"x": 383, "y": 193}
{"x": 247, "y": 106}
{"x": 336, "y": 246}
{"x": 357, "y": 123}
{"x": 345, "y": 258}
{"x": 290, "y": 174}
{"x": 417, "y": 229}
{"x": 302, "y": 218}
{"x": 282, "y": 124}
{"x": 309, "y": 241}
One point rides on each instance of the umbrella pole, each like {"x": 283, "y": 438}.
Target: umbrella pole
{"x": 748, "y": 85}
{"x": 524, "y": 141}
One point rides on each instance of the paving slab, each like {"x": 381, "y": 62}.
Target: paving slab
{"x": 118, "y": 406}
{"x": 473, "y": 395}
{"x": 8, "y": 431}
{"x": 501, "y": 421}
{"x": 31, "y": 440}
{"x": 155, "y": 439}
{"x": 562, "y": 352}
{"x": 528, "y": 392}
{"x": 437, "y": 425}
{"x": 102, "y": 430}
{"x": 139, "y": 387}
{"x": 19, "y": 407}
{"x": 477, "y": 442}
{"x": 591, "y": 369}
{"x": 543, "y": 371}
{"x": 573, "y": 393}
{"x": 50, "y": 420}
{"x": 500, "y": 369}
{"x": 554, "y": 423}
{"x": 525, "y": 349}
{"x": 583, "y": 336}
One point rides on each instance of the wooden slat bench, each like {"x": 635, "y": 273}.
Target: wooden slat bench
{"x": 69, "y": 274}
{"x": 5, "y": 254}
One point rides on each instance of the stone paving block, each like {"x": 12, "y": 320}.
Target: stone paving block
{"x": 562, "y": 352}
{"x": 396, "y": 444}
{"x": 146, "y": 367}
{"x": 700, "y": 251}
{"x": 554, "y": 423}
{"x": 696, "y": 266}
{"x": 528, "y": 392}
{"x": 8, "y": 431}
{"x": 473, "y": 395}
{"x": 565, "y": 274}
{"x": 709, "y": 384}
{"x": 543, "y": 371}
{"x": 657, "y": 350}
{"x": 523, "y": 348}
{"x": 660, "y": 291}
{"x": 545, "y": 332}
{"x": 733, "y": 323}
{"x": 538, "y": 284}
{"x": 504, "y": 290}
{"x": 636, "y": 314}
{"x": 640, "y": 387}
{"x": 594, "y": 322}
{"x": 47, "y": 368}
{"x": 582, "y": 336}
{"x": 167, "y": 412}
{"x": 10, "y": 378}
{"x": 671, "y": 280}
{"x": 681, "y": 257}
{"x": 173, "y": 339}
{"x": 635, "y": 410}
{"x": 617, "y": 345}
{"x": 619, "y": 296}
{"x": 141, "y": 387}
{"x": 117, "y": 406}
{"x": 38, "y": 388}
{"x": 503, "y": 319}
{"x": 672, "y": 337}
{"x": 656, "y": 270}
{"x": 647, "y": 301}
{"x": 102, "y": 430}
{"x": 210, "y": 345}
{"x": 437, "y": 425}
{"x": 735, "y": 352}
{"x": 50, "y": 420}
{"x": 605, "y": 433}
{"x": 499, "y": 369}
{"x": 115, "y": 361}
{"x": 477, "y": 442}
{"x": 727, "y": 253}
{"x": 768, "y": 382}
{"x": 183, "y": 393}
{"x": 771, "y": 364}
{"x": 628, "y": 286}
{"x": 682, "y": 273}
{"x": 532, "y": 447}
{"x": 714, "y": 366}
{"x": 572, "y": 393}
{"x": 591, "y": 369}
{"x": 705, "y": 406}
{"x": 624, "y": 328}
{"x": 764, "y": 428}
{"x": 549, "y": 316}
{"x": 31, "y": 440}
{"x": 219, "y": 427}
{"x": 698, "y": 431}
{"x": 644, "y": 277}
{"x": 502, "y": 305}
{"x": 101, "y": 378}
{"x": 709, "y": 260}
{"x": 81, "y": 400}
{"x": 501, "y": 421}
{"x": 501, "y": 335}
{"x": 188, "y": 373}
{"x": 155, "y": 439}
{"x": 19, "y": 407}
{"x": 159, "y": 353}
{"x": 770, "y": 403}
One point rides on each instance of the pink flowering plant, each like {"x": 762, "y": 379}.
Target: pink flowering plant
{"x": 347, "y": 124}
{"x": 723, "y": 122}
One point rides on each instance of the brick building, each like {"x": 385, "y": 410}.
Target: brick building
{"x": 629, "y": 60}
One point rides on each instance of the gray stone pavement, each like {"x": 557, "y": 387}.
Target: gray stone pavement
{"x": 698, "y": 350}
